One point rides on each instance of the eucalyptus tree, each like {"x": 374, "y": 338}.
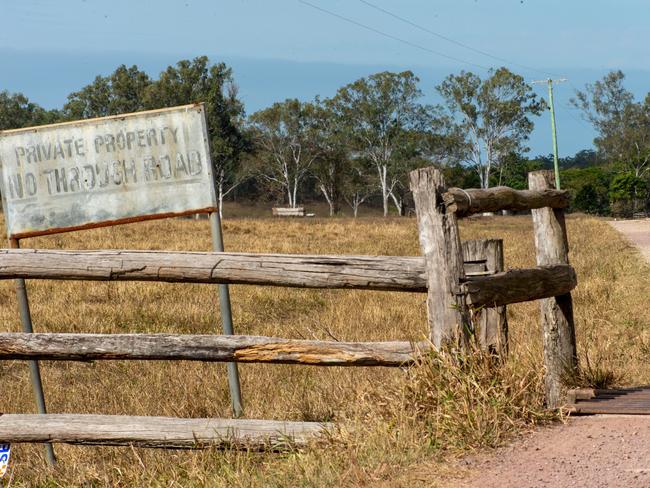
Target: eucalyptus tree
{"x": 622, "y": 123}
{"x": 357, "y": 185}
{"x": 286, "y": 142}
{"x": 200, "y": 81}
{"x": 329, "y": 168}
{"x": 123, "y": 91}
{"x": 494, "y": 114}
{"x": 381, "y": 114}
{"x": 16, "y": 111}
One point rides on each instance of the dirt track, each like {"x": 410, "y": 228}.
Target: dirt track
{"x": 637, "y": 232}
{"x": 592, "y": 451}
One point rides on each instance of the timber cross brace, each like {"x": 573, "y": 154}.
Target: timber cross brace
{"x": 460, "y": 279}
{"x": 453, "y": 297}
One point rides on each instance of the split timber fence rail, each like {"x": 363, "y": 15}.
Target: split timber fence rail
{"x": 461, "y": 280}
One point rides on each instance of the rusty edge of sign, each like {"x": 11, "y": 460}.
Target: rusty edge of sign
{"x": 109, "y": 223}
{"x": 36, "y": 128}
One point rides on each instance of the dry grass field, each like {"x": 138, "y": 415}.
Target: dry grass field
{"x": 400, "y": 427}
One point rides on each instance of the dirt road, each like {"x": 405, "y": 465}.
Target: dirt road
{"x": 593, "y": 451}
{"x": 637, "y": 232}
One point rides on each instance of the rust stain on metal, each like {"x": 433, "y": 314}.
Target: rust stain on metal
{"x": 107, "y": 171}
{"x": 630, "y": 401}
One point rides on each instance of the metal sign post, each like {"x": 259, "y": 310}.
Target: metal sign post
{"x": 226, "y": 319}
{"x": 34, "y": 369}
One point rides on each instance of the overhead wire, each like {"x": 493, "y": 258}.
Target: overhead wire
{"x": 390, "y": 36}
{"x": 453, "y": 41}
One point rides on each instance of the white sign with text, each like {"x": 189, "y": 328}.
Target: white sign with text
{"x": 106, "y": 171}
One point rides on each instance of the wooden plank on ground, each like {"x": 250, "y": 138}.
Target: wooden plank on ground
{"x": 624, "y": 401}
{"x": 224, "y": 348}
{"x": 168, "y": 432}
{"x": 288, "y": 211}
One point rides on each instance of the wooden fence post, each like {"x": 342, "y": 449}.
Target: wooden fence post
{"x": 551, "y": 245}
{"x": 447, "y": 310}
{"x": 492, "y": 324}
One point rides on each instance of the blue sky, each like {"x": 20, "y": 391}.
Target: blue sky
{"x": 286, "y": 48}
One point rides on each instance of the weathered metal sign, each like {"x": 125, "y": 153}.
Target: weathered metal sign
{"x": 106, "y": 171}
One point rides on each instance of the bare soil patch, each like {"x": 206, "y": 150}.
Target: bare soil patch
{"x": 637, "y": 232}
{"x": 608, "y": 451}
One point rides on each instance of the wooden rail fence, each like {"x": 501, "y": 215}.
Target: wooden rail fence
{"x": 462, "y": 280}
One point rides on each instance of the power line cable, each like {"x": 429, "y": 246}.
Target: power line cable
{"x": 390, "y": 36}
{"x": 449, "y": 39}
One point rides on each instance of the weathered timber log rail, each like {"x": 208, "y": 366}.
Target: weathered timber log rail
{"x": 244, "y": 349}
{"x": 519, "y": 285}
{"x": 167, "y": 432}
{"x": 388, "y": 273}
{"x": 466, "y": 285}
{"x": 468, "y": 202}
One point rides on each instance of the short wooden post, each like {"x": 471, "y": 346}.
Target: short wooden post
{"x": 448, "y": 313}
{"x": 560, "y": 358}
{"x": 492, "y": 323}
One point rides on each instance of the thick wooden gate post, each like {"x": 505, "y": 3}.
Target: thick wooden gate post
{"x": 440, "y": 242}
{"x": 492, "y": 323}
{"x": 560, "y": 358}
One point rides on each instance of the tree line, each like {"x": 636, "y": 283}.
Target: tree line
{"x": 358, "y": 146}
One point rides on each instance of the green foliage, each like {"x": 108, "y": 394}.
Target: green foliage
{"x": 457, "y": 175}
{"x": 513, "y": 171}
{"x": 589, "y": 187}
{"x": 492, "y": 114}
{"x": 121, "y": 92}
{"x": 16, "y": 111}
{"x": 623, "y": 124}
{"x": 625, "y": 193}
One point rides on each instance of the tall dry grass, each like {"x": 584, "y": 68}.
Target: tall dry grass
{"x": 399, "y": 426}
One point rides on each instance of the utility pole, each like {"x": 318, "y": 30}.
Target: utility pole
{"x": 553, "y": 130}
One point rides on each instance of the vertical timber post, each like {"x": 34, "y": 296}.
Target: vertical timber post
{"x": 447, "y": 310}
{"x": 226, "y": 319}
{"x": 551, "y": 245}
{"x": 492, "y": 326}
{"x": 34, "y": 369}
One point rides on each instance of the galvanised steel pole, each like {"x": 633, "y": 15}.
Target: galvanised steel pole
{"x": 554, "y": 134}
{"x": 226, "y": 319}
{"x": 34, "y": 369}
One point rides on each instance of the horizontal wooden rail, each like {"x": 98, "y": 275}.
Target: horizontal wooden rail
{"x": 394, "y": 273}
{"x": 307, "y": 271}
{"x": 245, "y": 349}
{"x": 468, "y": 202}
{"x": 168, "y": 432}
{"x": 520, "y": 285}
